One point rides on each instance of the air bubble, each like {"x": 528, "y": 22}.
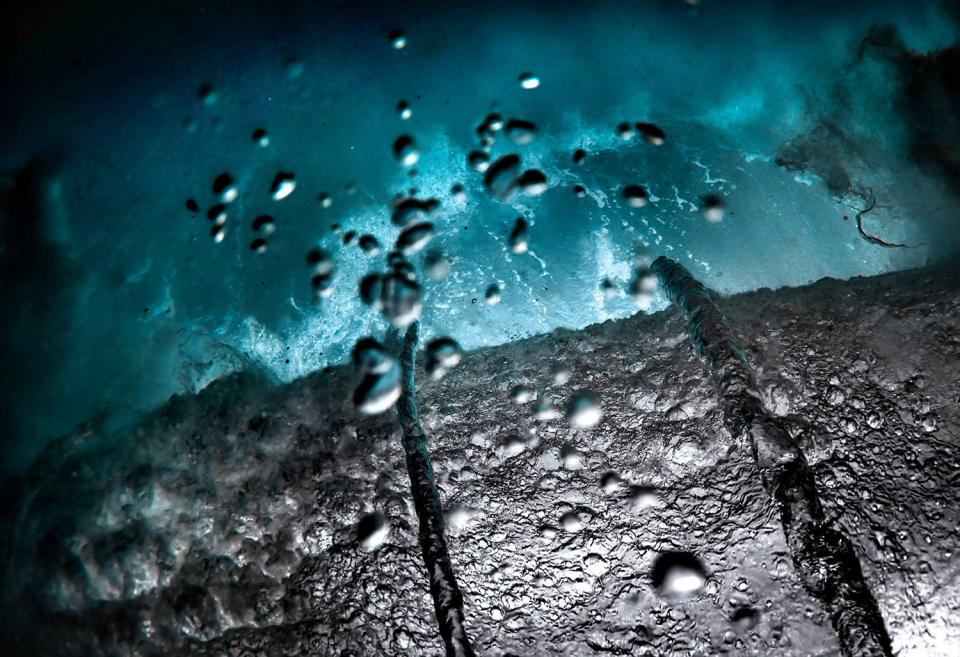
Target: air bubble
{"x": 380, "y": 386}
{"x": 437, "y": 264}
{"x": 570, "y": 521}
{"x": 610, "y": 482}
{"x": 294, "y": 68}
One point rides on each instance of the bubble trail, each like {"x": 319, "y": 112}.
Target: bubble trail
{"x": 447, "y": 598}
{"x": 824, "y": 558}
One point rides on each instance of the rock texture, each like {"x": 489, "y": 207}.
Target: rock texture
{"x": 226, "y": 522}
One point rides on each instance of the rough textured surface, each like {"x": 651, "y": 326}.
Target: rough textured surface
{"x": 225, "y": 523}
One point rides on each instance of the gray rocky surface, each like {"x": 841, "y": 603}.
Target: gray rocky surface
{"x": 225, "y": 523}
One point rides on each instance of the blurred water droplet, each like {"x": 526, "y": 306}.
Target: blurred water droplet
{"x": 408, "y": 210}
{"x": 414, "y": 238}
{"x": 643, "y": 497}
{"x": 261, "y": 138}
{"x": 349, "y": 236}
{"x": 678, "y": 575}
{"x": 513, "y": 446}
{"x": 520, "y": 131}
{"x": 457, "y": 516}
{"x": 559, "y": 374}
{"x": 442, "y": 355}
{"x": 579, "y": 155}
{"x": 579, "y": 191}
{"x": 522, "y": 394}
{"x": 325, "y": 200}
{"x": 437, "y": 264}
{"x": 403, "y": 110}
{"x": 294, "y": 68}
{"x": 518, "y": 236}
{"x": 643, "y": 287}
{"x": 192, "y": 205}
{"x": 372, "y": 531}
{"x": 608, "y": 288}
{"x": 207, "y": 94}
{"x": 584, "y": 410}
{"x": 570, "y": 457}
{"x": 380, "y": 387}
{"x": 501, "y": 176}
{"x": 533, "y": 182}
{"x": 458, "y": 192}
{"x": 283, "y": 185}
{"x": 492, "y": 297}
{"x": 625, "y": 130}
{"x": 651, "y": 133}
{"x": 401, "y": 298}
{"x": 712, "y": 207}
{"x": 264, "y": 224}
{"x": 529, "y": 81}
{"x": 635, "y": 195}
{"x": 369, "y": 244}
{"x": 478, "y": 160}
{"x": 744, "y": 619}
{"x": 397, "y": 39}
{"x": 544, "y": 410}
{"x": 406, "y": 151}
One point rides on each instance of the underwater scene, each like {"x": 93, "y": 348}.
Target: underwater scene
{"x": 461, "y": 328}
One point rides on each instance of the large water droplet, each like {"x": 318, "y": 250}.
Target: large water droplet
{"x": 678, "y": 575}
{"x": 533, "y": 182}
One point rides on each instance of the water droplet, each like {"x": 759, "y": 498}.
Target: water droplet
{"x": 643, "y": 287}
{"x": 325, "y": 200}
{"x": 259, "y": 246}
{"x": 320, "y": 261}
{"x": 529, "y": 81}
{"x": 380, "y": 387}
{"x": 712, "y": 206}
{"x": 520, "y": 131}
{"x": 458, "y": 192}
{"x": 414, "y": 238}
{"x": 478, "y": 160}
{"x": 492, "y": 297}
{"x": 559, "y": 374}
{"x": 579, "y": 155}
{"x": 501, "y": 176}
{"x": 411, "y": 209}
{"x": 192, "y": 205}
{"x": 584, "y": 410}
{"x": 401, "y": 298}
{"x": 369, "y": 244}
{"x": 349, "y": 236}
{"x": 261, "y": 138}
{"x": 457, "y": 516}
{"x": 595, "y": 564}
{"x": 403, "y": 110}
{"x": 635, "y": 195}
{"x": 610, "y": 482}
{"x": 207, "y": 94}
{"x": 372, "y": 531}
{"x": 544, "y": 410}
{"x": 570, "y": 522}
{"x": 533, "y": 182}
{"x": 625, "y": 130}
{"x": 518, "y": 236}
{"x": 224, "y": 186}
{"x": 678, "y": 575}
{"x": 643, "y": 497}
{"x": 322, "y": 285}
{"x": 397, "y": 39}
{"x": 651, "y": 133}
{"x": 264, "y": 224}
{"x": 442, "y": 355}
{"x": 283, "y": 185}
{"x": 437, "y": 264}
{"x": 218, "y": 232}
{"x": 522, "y": 394}
{"x": 217, "y": 214}
{"x": 513, "y": 446}
{"x": 493, "y": 122}
{"x": 406, "y": 151}
{"x": 744, "y": 619}
{"x": 570, "y": 457}
{"x": 294, "y": 68}
{"x": 579, "y": 191}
